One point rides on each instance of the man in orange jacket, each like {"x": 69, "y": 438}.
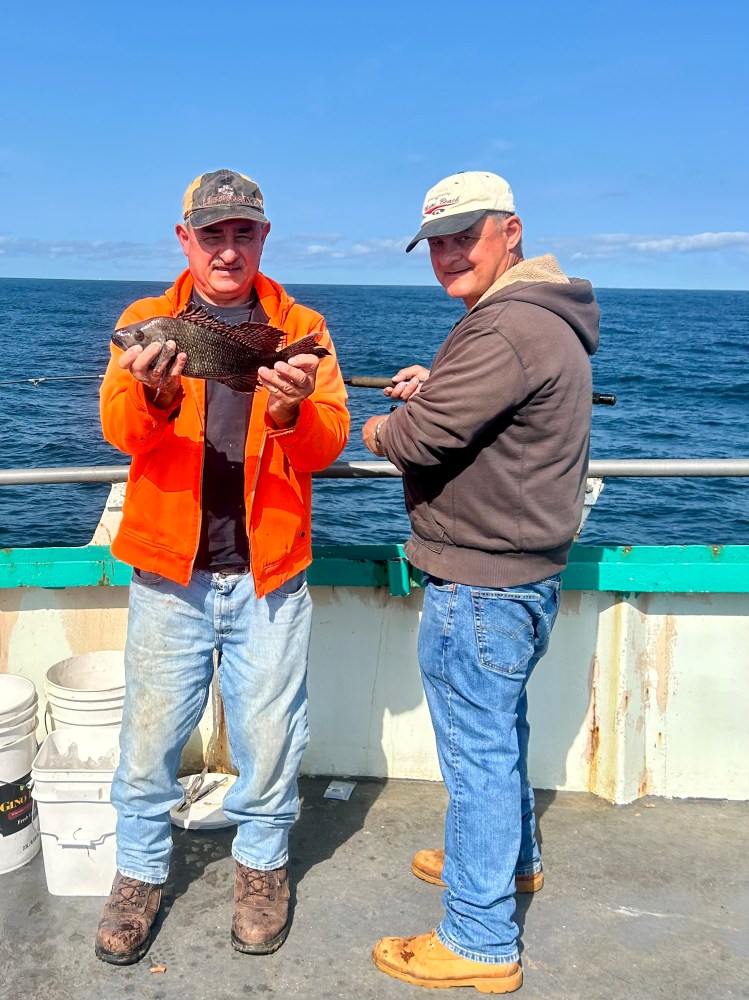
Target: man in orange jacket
{"x": 216, "y": 524}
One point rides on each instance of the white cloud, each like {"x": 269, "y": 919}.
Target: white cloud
{"x": 608, "y": 246}
{"x": 100, "y": 250}
{"x": 318, "y": 250}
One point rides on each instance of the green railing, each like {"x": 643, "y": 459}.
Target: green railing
{"x": 622, "y": 569}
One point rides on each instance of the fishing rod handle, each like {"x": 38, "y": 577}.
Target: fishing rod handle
{"x": 368, "y": 382}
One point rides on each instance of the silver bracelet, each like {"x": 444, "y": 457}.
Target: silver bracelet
{"x": 376, "y": 435}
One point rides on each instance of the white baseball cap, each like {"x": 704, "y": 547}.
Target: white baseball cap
{"x": 456, "y": 202}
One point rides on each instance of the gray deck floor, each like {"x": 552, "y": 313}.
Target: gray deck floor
{"x": 644, "y": 901}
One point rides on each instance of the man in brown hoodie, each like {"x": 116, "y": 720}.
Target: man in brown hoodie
{"x": 493, "y": 445}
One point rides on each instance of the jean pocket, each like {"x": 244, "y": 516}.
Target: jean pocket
{"x": 292, "y": 587}
{"x": 505, "y": 631}
{"x": 146, "y": 577}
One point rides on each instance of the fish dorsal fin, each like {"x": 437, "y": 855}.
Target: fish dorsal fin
{"x": 259, "y": 337}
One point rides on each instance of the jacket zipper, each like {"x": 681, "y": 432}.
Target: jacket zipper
{"x": 201, "y": 419}
{"x": 251, "y": 503}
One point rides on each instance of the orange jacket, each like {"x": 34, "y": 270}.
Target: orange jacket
{"x": 160, "y": 527}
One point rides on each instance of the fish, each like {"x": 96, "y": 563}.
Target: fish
{"x": 217, "y": 350}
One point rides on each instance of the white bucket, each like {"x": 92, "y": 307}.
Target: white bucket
{"x": 98, "y": 676}
{"x": 62, "y": 717}
{"x": 75, "y": 705}
{"x": 19, "y": 823}
{"x": 16, "y": 694}
{"x": 15, "y": 720}
{"x": 10, "y": 735}
{"x": 76, "y": 818}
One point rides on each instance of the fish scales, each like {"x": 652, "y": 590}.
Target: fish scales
{"x": 211, "y": 353}
{"x": 214, "y": 349}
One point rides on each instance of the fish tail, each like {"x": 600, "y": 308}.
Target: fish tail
{"x": 307, "y": 345}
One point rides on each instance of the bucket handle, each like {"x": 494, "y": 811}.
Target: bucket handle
{"x": 85, "y": 845}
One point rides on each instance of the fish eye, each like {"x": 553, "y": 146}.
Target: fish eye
{"x": 138, "y": 335}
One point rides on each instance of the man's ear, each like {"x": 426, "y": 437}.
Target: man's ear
{"x": 183, "y": 235}
{"x": 513, "y": 231}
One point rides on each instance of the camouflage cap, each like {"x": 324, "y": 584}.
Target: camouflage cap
{"x": 222, "y": 195}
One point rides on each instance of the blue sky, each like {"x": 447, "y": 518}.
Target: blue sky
{"x": 622, "y": 128}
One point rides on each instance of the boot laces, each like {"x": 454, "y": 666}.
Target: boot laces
{"x": 256, "y": 883}
{"x": 129, "y": 893}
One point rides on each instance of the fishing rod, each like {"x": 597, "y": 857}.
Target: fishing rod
{"x": 36, "y": 382}
{"x": 355, "y": 381}
{"x": 373, "y": 382}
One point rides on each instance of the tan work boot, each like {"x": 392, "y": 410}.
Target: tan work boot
{"x": 124, "y": 934}
{"x": 261, "y": 910}
{"x": 427, "y": 865}
{"x": 425, "y": 961}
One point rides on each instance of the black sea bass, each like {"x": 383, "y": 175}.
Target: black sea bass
{"x": 217, "y": 350}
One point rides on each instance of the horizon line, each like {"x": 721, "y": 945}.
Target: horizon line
{"x": 352, "y": 284}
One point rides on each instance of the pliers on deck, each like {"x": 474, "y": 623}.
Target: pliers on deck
{"x": 196, "y": 791}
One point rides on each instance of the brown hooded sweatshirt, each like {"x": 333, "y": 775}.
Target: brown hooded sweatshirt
{"x": 494, "y": 448}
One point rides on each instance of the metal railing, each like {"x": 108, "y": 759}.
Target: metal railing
{"x": 599, "y": 468}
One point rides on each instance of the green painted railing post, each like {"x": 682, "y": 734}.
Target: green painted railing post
{"x": 399, "y": 576}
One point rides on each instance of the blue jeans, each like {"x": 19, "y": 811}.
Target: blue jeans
{"x": 477, "y": 648}
{"x": 262, "y": 648}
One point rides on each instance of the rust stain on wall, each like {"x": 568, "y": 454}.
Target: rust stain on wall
{"x": 644, "y": 663}
{"x": 645, "y": 785}
{"x": 96, "y": 620}
{"x": 594, "y": 731}
{"x": 664, "y": 651}
{"x": 8, "y": 621}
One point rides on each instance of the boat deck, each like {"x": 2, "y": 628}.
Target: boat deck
{"x": 644, "y": 901}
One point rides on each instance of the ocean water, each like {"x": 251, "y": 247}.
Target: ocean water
{"x": 678, "y": 362}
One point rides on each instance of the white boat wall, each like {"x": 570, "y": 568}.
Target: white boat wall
{"x": 643, "y": 690}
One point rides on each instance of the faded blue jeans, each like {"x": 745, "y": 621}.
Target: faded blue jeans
{"x": 262, "y": 647}
{"x": 477, "y": 648}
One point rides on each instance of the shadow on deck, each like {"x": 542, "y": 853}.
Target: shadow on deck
{"x": 643, "y": 901}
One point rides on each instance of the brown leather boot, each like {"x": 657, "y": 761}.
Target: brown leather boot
{"x": 427, "y": 865}
{"x": 261, "y": 910}
{"x": 124, "y": 934}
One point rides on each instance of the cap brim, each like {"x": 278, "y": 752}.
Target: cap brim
{"x": 203, "y": 217}
{"x": 447, "y": 226}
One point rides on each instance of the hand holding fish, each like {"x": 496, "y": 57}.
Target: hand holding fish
{"x": 162, "y": 382}
{"x": 407, "y": 382}
{"x": 288, "y": 383}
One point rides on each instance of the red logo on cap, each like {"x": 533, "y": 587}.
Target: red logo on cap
{"x": 441, "y": 205}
